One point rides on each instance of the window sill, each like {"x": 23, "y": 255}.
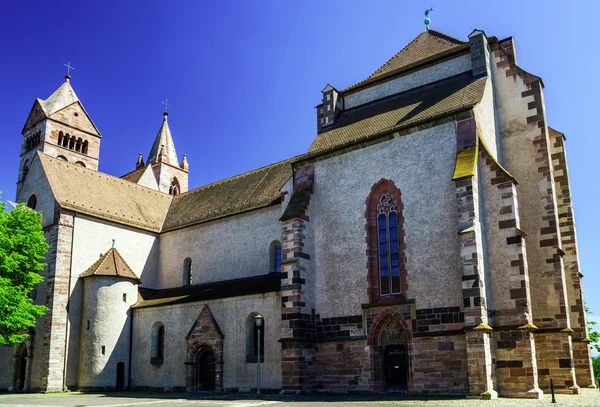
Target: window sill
{"x": 254, "y": 359}
{"x": 156, "y": 361}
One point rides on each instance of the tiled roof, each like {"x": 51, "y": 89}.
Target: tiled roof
{"x": 252, "y": 190}
{"x": 427, "y": 46}
{"x": 111, "y": 264}
{"x": 203, "y": 292}
{"x": 403, "y": 110}
{"x": 163, "y": 139}
{"x": 104, "y": 196}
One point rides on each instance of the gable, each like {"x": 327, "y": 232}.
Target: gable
{"x": 143, "y": 176}
{"x": 36, "y": 183}
{"x": 426, "y": 47}
{"x": 75, "y": 115}
{"x": 36, "y": 115}
{"x": 205, "y": 325}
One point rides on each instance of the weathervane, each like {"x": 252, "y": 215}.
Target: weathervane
{"x": 69, "y": 67}
{"x": 427, "y": 19}
{"x": 167, "y": 106}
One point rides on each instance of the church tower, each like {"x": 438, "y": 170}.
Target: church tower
{"x": 60, "y": 127}
{"x": 171, "y": 176}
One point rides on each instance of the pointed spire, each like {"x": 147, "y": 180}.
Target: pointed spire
{"x": 184, "y": 164}
{"x": 163, "y": 145}
{"x": 140, "y": 161}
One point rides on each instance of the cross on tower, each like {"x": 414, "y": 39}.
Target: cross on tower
{"x": 167, "y": 106}
{"x": 69, "y": 67}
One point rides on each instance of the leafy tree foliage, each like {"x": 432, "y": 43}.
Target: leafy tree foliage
{"x": 592, "y": 333}
{"x": 22, "y": 248}
{"x": 596, "y": 365}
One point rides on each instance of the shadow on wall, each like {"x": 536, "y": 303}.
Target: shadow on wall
{"x": 149, "y": 275}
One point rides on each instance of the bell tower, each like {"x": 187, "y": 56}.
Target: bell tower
{"x": 171, "y": 176}
{"x": 60, "y": 127}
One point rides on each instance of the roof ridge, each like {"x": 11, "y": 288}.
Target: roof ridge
{"x": 238, "y": 176}
{"x": 447, "y": 37}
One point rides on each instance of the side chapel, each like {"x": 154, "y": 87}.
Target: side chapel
{"x": 425, "y": 243}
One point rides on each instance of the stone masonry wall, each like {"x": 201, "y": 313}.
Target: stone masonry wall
{"x": 52, "y": 360}
{"x": 297, "y": 286}
{"x": 573, "y": 276}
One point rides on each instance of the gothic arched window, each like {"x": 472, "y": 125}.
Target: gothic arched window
{"x": 32, "y": 202}
{"x": 385, "y": 236}
{"x": 174, "y": 188}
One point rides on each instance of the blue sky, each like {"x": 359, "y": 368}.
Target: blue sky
{"x": 243, "y": 77}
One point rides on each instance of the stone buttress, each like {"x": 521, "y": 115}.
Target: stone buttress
{"x": 526, "y": 151}
{"x": 297, "y": 289}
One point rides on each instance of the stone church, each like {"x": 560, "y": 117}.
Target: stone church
{"x": 425, "y": 243}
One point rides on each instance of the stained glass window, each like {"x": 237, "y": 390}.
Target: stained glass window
{"x": 389, "y": 256}
{"x": 278, "y": 258}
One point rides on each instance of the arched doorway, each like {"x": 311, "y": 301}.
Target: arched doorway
{"x": 394, "y": 345}
{"x": 204, "y": 375}
{"x": 390, "y": 339}
{"x": 120, "y": 385}
{"x": 20, "y": 368}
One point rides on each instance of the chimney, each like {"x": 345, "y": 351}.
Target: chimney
{"x": 329, "y": 109}
{"x": 480, "y": 54}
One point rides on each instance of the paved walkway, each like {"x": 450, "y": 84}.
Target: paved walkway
{"x": 589, "y": 398}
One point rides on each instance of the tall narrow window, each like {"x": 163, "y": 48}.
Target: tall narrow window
{"x": 275, "y": 257}
{"x": 387, "y": 228}
{"x": 158, "y": 344}
{"x": 84, "y": 147}
{"x": 385, "y": 237}
{"x": 187, "y": 272}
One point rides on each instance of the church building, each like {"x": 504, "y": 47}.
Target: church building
{"x": 425, "y": 243}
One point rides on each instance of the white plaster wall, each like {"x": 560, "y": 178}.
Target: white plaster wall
{"x": 92, "y": 238}
{"x": 421, "y": 165}
{"x": 109, "y": 327}
{"x": 485, "y": 118}
{"x": 37, "y": 183}
{"x": 230, "y": 314}
{"x": 234, "y": 247}
{"x": 148, "y": 180}
{"x": 434, "y": 73}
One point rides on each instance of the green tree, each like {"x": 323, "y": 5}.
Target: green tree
{"x": 592, "y": 333}
{"x": 596, "y": 366}
{"x": 22, "y": 248}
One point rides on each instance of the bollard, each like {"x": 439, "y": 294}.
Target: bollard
{"x": 552, "y": 390}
